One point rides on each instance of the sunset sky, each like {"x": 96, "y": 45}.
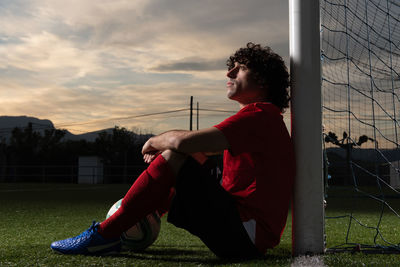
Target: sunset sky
{"x": 88, "y": 65}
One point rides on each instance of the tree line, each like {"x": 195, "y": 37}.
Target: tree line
{"x": 27, "y": 149}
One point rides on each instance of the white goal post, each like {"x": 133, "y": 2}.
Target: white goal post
{"x": 306, "y": 109}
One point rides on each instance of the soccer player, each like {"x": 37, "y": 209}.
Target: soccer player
{"x": 246, "y": 214}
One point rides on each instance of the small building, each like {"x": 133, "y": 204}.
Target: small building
{"x": 90, "y": 170}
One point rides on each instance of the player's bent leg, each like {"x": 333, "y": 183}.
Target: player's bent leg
{"x": 90, "y": 242}
{"x": 154, "y": 184}
{"x": 206, "y": 210}
{"x": 149, "y": 193}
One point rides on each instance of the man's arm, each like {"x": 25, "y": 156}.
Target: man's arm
{"x": 187, "y": 142}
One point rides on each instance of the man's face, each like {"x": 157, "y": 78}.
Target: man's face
{"x": 241, "y": 85}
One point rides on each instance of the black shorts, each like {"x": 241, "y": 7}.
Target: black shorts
{"x": 205, "y": 209}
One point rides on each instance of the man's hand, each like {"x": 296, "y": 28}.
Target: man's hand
{"x": 148, "y": 148}
{"x": 149, "y": 152}
{"x": 186, "y": 142}
{"x": 157, "y": 144}
{"x": 148, "y": 158}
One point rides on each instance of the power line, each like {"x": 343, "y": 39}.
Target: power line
{"x": 63, "y": 125}
{"x": 122, "y": 118}
{"x": 217, "y": 110}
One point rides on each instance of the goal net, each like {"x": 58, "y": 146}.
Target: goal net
{"x": 360, "y": 55}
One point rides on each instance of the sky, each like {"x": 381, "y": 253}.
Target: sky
{"x": 88, "y": 65}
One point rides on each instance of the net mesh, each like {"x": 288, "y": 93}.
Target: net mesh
{"x": 360, "y": 54}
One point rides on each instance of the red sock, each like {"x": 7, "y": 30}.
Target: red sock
{"x": 149, "y": 192}
{"x": 164, "y": 207}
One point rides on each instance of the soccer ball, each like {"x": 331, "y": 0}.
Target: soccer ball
{"x": 141, "y": 235}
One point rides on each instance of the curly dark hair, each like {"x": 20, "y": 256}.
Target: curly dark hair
{"x": 268, "y": 69}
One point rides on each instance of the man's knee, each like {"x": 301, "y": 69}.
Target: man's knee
{"x": 174, "y": 159}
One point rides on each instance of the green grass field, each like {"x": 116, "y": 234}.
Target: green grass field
{"x": 34, "y": 215}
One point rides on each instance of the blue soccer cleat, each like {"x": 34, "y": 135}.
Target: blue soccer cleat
{"x": 90, "y": 242}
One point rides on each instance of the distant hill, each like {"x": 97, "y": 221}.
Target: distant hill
{"x": 8, "y": 123}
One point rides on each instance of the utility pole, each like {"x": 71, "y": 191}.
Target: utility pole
{"x": 197, "y": 115}
{"x": 191, "y": 114}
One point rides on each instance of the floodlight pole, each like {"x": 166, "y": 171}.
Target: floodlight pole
{"x": 306, "y": 109}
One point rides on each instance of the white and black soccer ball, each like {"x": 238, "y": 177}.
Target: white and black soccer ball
{"x": 141, "y": 235}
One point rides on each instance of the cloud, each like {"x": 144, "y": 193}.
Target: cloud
{"x": 47, "y": 54}
{"x": 192, "y": 64}
{"x": 88, "y": 60}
